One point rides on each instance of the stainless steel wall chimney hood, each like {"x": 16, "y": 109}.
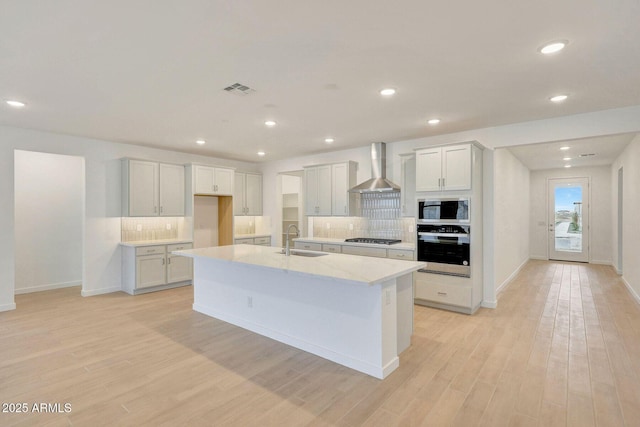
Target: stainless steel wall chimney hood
{"x": 378, "y": 181}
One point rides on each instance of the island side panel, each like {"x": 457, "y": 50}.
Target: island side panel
{"x": 404, "y": 297}
{"x": 348, "y": 323}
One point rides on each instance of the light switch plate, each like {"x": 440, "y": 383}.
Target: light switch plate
{"x": 138, "y": 227}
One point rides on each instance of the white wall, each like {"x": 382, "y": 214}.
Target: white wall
{"x": 49, "y": 218}
{"x": 101, "y": 272}
{"x": 600, "y": 213}
{"x": 511, "y": 216}
{"x": 629, "y": 160}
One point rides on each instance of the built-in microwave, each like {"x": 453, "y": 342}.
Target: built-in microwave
{"x": 443, "y": 210}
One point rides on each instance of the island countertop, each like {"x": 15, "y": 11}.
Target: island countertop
{"x": 352, "y": 268}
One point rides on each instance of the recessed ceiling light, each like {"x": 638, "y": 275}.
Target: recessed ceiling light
{"x": 565, "y": 148}
{"x": 558, "y": 98}
{"x": 567, "y": 166}
{"x": 329, "y": 140}
{"x": 553, "y": 47}
{"x": 261, "y": 153}
{"x": 270, "y": 123}
{"x": 387, "y": 92}
{"x": 16, "y": 104}
{"x": 566, "y": 159}
{"x": 434, "y": 121}
{"x": 200, "y": 142}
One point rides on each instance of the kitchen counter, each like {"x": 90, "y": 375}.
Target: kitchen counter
{"x": 353, "y": 310}
{"x": 140, "y": 243}
{"x": 350, "y": 268}
{"x": 326, "y": 240}
{"x": 251, "y": 236}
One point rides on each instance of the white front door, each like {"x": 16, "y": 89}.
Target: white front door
{"x": 569, "y": 219}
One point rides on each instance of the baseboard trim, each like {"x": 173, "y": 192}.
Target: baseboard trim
{"x": 540, "y": 258}
{"x": 601, "y": 262}
{"x": 508, "y": 280}
{"x": 7, "y": 307}
{"x": 489, "y": 304}
{"x": 48, "y": 287}
{"x": 102, "y": 291}
{"x": 631, "y": 290}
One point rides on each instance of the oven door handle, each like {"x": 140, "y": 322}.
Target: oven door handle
{"x": 424, "y": 233}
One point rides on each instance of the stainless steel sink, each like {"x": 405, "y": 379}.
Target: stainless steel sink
{"x": 305, "y": 253}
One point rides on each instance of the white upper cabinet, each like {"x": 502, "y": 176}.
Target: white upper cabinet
{"x": 446, "y": 168}
{"x": 152, "y": 189}
{"x": 171, "y": 190}
{"x": 342, "y": 179}
{"x": 408, "y": 185}
{"x": 210, "y": 180}
{"x": 247, "y": 194}
{"x": 327, "y": 189}
{"x": 318, "y": 190}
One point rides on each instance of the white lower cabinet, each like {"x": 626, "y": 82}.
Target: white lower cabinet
{"x": 259, "y": 241}
{"x": 308, "y": 246}
{"x": 442, "y": 291}
{"x": 364, "y": 251}
{"x": 149, "y": 268}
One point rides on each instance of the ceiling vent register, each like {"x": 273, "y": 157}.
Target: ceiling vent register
{"x": 239, "y": 89}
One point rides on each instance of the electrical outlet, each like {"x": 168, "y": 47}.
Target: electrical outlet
{"x": 350, "y": 226}
{"x": 328, "y": 225}
{"x": 250, "y": 302}
{"x": 138, "y": 227}
{"x": 168, "y": 226}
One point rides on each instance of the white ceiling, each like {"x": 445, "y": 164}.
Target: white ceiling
{"x": 598, "y": 151}
{"x": 153, "y": 72}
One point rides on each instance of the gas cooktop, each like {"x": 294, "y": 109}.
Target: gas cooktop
{"x": 373, "y": 240}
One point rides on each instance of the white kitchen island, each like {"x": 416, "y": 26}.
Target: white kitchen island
{"x": 353, "y": 310}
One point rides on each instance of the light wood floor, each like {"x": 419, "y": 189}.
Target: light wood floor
{"x": 562, "y": 348}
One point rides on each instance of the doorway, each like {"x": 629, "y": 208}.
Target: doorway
{"x": 49, "y": 191}
{"x": 569, "y": 219}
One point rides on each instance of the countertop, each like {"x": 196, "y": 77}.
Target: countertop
{"x": 139, "y": 243}
{"x": 401, "y": 245}
{"x": 350, "y": 268}
{"x": 251, "y": 236}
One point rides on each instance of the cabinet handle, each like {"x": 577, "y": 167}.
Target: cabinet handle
{"x": 168, "y": 260}
{"x": 400, "y": 255}
{"x": 442, "y": 182}
{"x": 162, "y": 261}
{"x": 442, "y": 293}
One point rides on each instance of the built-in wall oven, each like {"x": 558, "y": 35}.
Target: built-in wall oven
{"x": 445, "y": 248}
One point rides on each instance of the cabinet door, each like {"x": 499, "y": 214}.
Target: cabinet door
{"x": 324, "y": 190}
{"x": 311, "y": 191}
{"x": 179, "y": 269}
{"x": 456, "y": 167}
{"x": 239, "y": 195}
{"x": 408, "y": 186}
{"x": 143, "y": 188}
{"x": 171, "y": 190}
{"x": 203, "y": 177}
{"x": 223, "y": 181}
{"x": 253, "y": 194}
{"x": 340, "y": 189}
{"x": 150, "y": 271}
{"x": 428, "y": 169}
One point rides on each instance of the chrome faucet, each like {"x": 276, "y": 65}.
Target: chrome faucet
{"x": 287, "y": 251}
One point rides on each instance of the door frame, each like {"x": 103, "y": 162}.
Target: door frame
{"x": 585, "y": 255}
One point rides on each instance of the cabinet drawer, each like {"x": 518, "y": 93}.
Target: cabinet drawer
{"x": 179, "y": 247}
{"x": 308, "y": 246}
{"x": 400, "y": 254}
{"x": 364, "y": 251}
{"x": 243, "y": 241}
{"x": 444, "y": 294}
{"x": 150, "y": 250}
{"x": 332, "y": 248}
{"x": 265, "y": 241}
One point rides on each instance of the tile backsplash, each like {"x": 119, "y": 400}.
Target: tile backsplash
{"x": 348, "y": 227}
{"x": 153, "y": 228}
{"x": 252, "y": 225}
